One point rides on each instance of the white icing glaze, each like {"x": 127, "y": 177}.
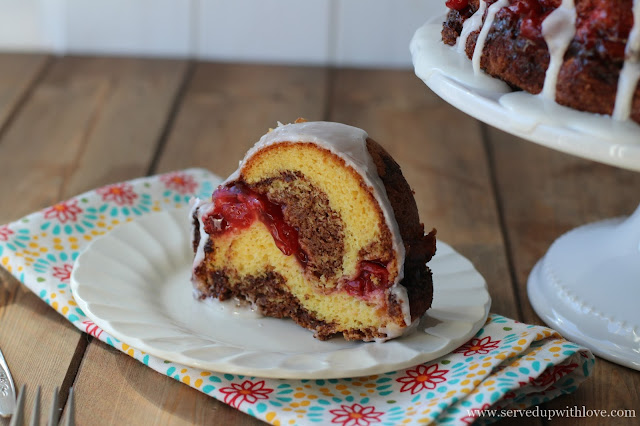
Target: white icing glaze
{"x": 472, "y": 24}
{"x": 558, "y": 29}
{"x": 349, "y": 144}
{"x": 196, "y": 205}
{"x": 533, "y": 111}
{"x": 523, "y": 112}
{"x": 630, "y": 74}
{"x": 484, "y": 32}
{"x": 234, "y": 307}
{"x": 429, "y": 39}
{"x": 392, "y": 331}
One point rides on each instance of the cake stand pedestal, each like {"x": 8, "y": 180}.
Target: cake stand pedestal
{"x": 587, "y": 286}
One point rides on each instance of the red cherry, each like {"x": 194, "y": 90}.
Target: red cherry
{"x": 457, "y": 4}
{"x": 530, "y": 28}
{"x": 236, "y": 206}
{"x": 371, "y": 276}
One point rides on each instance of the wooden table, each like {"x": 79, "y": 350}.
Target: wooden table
{"x": 71, "y": 124}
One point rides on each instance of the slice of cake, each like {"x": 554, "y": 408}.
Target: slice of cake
{"x": 318, "y": 225}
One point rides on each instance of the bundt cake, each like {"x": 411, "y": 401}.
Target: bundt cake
{"x": 584, "y": 54}
{"x": 317, "y": 225}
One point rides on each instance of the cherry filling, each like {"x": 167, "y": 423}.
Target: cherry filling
{"x": 236, "y": 206}
{"x": 372, "y": 276}
{"x": 531, "y": 13}
{"x": 457, "y": 4}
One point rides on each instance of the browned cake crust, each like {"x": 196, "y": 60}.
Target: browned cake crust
{"x": 419, "y": 247}
{"x": 588, "y": 78}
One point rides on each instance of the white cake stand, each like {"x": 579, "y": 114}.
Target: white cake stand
{"x": 587, "y": 286}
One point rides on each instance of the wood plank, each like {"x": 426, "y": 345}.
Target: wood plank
{"x": 18, "y": 72}
{"x": 134, "y": 394}
{"x": 225, "y": 109}
{"x": 47, "y": 154}
{"x": 228, "y": 107}
{"x": 543, "y": 194}
{"x": 443, "y": 157}
{"x": 137, "y": 100}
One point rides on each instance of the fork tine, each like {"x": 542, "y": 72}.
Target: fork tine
{"x": 35, "y": 414}
{"x": 53, "y": 416}
{"x": 18, "y": 417}
{"x": 71, "y": 420}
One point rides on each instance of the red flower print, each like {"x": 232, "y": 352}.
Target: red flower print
{"x": 474, "y": 414}
{"x": 92, "y": 329}
{"x": 65, "y": 211}
{"x": 5, "y": 232}
{"x": 356, "y": 415}
{"x": 478, "y": 346}
{"x": 63, "y": 273}
{"x": 180, "y": 182}
{"x": 422, "y": 377}
{"x": 553, "y": 375}
{"x": 246, "y": 392}
{"x": 121, "y": 193}
{"x": 509, "y": 395}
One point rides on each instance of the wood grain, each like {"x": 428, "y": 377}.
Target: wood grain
{"x": 545, "y": 193}
{"x": 224, "y": 110}
{"x": 71, "y": 124}
{"x": 79, "y": 107}
{"x": 134, "y": 394}
{"x": 18, "y": 72}
{"x": 228, "y": 107}
{"x": 126, "y": 127}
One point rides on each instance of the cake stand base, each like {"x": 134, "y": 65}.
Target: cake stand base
{"x": 587, "y": 287}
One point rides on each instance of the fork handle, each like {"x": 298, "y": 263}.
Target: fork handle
{"x": 7, "y": 389}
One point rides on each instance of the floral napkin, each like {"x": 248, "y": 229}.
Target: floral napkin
{"x": 506, "y": 366}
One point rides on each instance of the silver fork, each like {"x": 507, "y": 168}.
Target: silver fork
{"x": 7, "y": 389}
{"x": 18, "y": 417}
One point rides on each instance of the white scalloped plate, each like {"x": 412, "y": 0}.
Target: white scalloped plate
{"x": 134, "y": 283}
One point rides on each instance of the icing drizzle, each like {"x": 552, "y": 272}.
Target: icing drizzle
{"x": 470, "y": 25}
{"x": 558, "y": 30}
{"x": 484, "y": 32}
{"x": 630, "y": 74}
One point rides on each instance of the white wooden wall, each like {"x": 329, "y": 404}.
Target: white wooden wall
{"x": 337, "y": 32}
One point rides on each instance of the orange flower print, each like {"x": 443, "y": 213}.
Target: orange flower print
{"x": 478, "y": 346}
{"x": 248, "y": 392}
{"x": 121, "y": 193}
{"x": 422, "y": 377}
{"x": 179, "y": 182}
{"x": 67, "y": 211}
{"x": 356, "y": 415}
{"x": 5, "y": 232}
{"x": 63, "y": 273}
